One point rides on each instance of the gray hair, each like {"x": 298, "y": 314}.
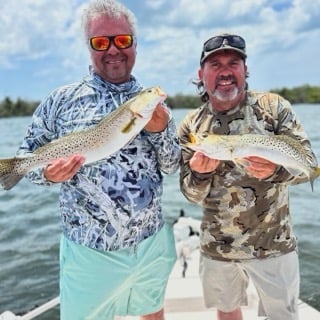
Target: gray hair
{"x": 109, "y": 8}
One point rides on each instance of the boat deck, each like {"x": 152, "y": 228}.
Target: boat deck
{"x": 184, "y": 298}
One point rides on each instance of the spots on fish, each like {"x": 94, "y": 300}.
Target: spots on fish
{"x": 94, "y": 143}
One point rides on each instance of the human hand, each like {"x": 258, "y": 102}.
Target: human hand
{"x": 159, "y": 120}
{"x": 63, "y": 169}
{"x": 260, "y": 168}
{"x": 202, "y": 164}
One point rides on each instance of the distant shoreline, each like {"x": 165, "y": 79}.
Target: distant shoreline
{"x": 304, "y": 94}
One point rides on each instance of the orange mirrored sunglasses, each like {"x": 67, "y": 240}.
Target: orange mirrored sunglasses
{"x": 102, "y": 43}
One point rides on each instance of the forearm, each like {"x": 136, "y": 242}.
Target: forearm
{"x": 167, "y": 148}
{"x": 37, "y": 176}
{"x": 195, "y": 186}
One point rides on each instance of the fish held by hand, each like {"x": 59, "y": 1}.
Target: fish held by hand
{"x": 280, "y": 149}
{"x": 111, "y": 134}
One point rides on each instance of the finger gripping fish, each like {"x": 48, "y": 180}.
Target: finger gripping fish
{"x": 95, "y": 143}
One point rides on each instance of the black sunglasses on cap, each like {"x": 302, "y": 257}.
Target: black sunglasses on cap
{"x": 227, "y": 41}
{"x": 103, "y": 43}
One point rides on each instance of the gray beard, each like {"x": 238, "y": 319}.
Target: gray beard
{"x": 225, "y": 96}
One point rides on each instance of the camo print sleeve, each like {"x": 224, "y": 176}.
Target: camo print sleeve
{"x": 243, "y": 217}
{"x": 195, "y": 186}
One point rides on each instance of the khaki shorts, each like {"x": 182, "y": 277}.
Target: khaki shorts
{"x": 276, "y": 279}
{"x": 96, "y": 285}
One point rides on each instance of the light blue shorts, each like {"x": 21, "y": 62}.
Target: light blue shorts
{"x": 99, "y": 285}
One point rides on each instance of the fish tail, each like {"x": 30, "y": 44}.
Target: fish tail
{"x": 9, "y": 177}
{"x": 317, "y": 172}
{"x": 315, "y": 175}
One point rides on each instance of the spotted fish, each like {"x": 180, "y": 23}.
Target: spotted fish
{"x": 95, "y": 143}
{"x": 279, "y": 149}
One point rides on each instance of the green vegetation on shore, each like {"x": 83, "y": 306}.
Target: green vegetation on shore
{"x": 303, "y": 94}
{"x": 18, "y": 108}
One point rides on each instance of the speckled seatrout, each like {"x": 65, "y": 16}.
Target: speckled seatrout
{"x": 100, "y": 141}
{"x": 279, "y": 149}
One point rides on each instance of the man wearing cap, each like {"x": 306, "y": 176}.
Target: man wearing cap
{"x": 246, "y": 229}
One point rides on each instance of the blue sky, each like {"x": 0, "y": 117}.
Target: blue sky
{"x": 42, "y": 46}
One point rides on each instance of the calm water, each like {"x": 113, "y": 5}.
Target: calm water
{"x": 30, "y": 227}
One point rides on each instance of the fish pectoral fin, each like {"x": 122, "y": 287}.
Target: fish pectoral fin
{"x": 192, "y": 138}
{"x": 293, "y": 171}
{"x": 137, "y": 115}
{"x": 128, "y": 127}
{"x": 191, "y": 146}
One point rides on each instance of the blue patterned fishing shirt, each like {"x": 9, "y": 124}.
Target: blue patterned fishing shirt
{"x": 114, "y": 203}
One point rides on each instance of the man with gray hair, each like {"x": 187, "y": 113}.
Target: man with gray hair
{"x": 116, "y": 250}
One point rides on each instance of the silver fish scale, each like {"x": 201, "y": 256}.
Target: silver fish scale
{"x": 98, "y": 142}
{"x": 279, "y": 149}
{"x": 284, "y": 144}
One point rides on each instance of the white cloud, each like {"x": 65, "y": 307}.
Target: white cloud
{"x": 45, "y": 36}
{"x": 34, "y": 29}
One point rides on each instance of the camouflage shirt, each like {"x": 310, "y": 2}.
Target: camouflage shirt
{"x": 243, "y": 217}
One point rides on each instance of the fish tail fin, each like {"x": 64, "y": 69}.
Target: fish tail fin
{"x": 317, "y": 172}
{"x": 8, "y": 175}
{"x": 315, "y": 175}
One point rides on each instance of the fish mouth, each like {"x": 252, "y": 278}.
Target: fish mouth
{"x": 160, "y": 92}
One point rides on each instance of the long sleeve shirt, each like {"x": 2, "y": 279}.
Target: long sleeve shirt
{"x": 116, "y": 202}
{"x": 243, "y": 217}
